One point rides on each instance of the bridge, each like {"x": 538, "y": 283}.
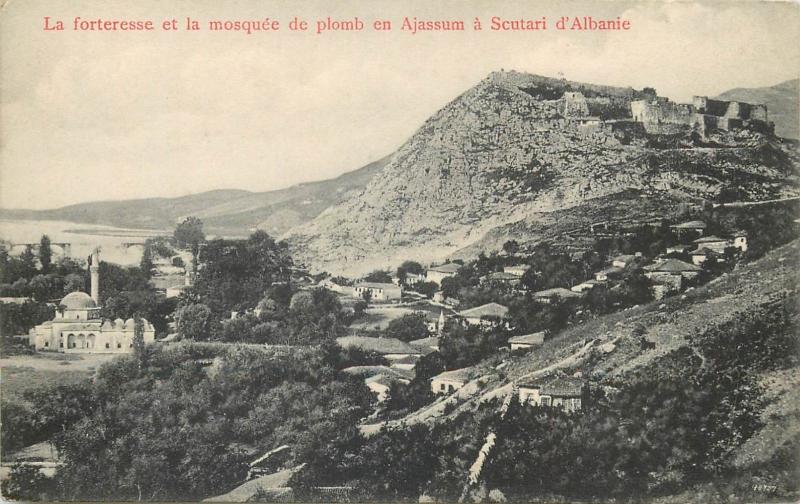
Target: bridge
{"x": 127, "y": 245}
{"x": 66, "y": 247}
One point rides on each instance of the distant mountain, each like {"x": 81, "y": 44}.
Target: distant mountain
{"x": 225, "y": 212}
{"x": 781, "y": 101}
{"x": 528, "y": 157}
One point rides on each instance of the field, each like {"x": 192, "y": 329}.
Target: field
{"x": 19, "y": 373}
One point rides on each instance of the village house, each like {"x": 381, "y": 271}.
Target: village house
{"x": 483, "y": 315}
{"x": 502, "y": 277}
{"x": 677, "y": 249}
{"x": 434, "y": 323}
{"x": 714, "y": 243}
{"x": 379, "y": 379}
{"x": 670, "y": 274}
{"x": 623, "y": 261}
{"x": 517, "y": 270}
{"x": 544, "y": 296}
{"x": 438, "y": 273}
{"x": 740, "y": 240}
{"x": 696, "y": 226}
{"x": 608, "y": 273}
{"x": 407, "y": 362}
{"x": 390, "y": 348}
{"x": 450, "y": 381}
{"x": 426, "y": 345}
{"x": 584, "y": 286}
{"x": 559, "y": 392}
{"x": 378, "y": 291}
{"x": 701, "y": 255}
{"x": 527, "y": 340}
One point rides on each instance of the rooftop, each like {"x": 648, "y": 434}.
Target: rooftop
{"x": 377, "y": 285}
{"x": 529, "y": 339}
{"x": 557, "y": 386}
{"x": 446, "y": 268}
{"x": 502, "y": 275}
{"x": 487, "y": 310}
{"x": 710, "y": 239}
{"x": 672, "y": 266}
{"x": 556, "y": 291}
{"x": 459, "y": 375}
{"x": 370, "y": 371}
{"x": 380, "y": 345}
{"x": 695, "y": 224}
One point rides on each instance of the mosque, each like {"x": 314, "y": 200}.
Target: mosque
{"x": 78, "y": 328}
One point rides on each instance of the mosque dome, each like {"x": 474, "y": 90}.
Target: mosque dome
{"x": 78, "y": 301}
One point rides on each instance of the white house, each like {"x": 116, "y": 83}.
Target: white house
{"x": 517, "y": 270}
{"x": 544, "y": 296}
{"x": 611, "y": 272}
{"x": 695, "y": 225}
{"x": 714, "y": 243}
{"x": 479, "y": 315}
{"x": 378, "y": 291}
{"x": 390, "y": 348}
{"x": 622, "y": 261}
{"x": 557, "y": 392}
{"x": 450, "y": 381}
{"x": 584, "y": 286}
{"x": 438, "y": 273}
{"x": 527, "y": 340}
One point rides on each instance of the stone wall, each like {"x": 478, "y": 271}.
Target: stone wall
{"x": 662, "y": 116}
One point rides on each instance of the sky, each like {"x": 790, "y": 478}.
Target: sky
{"x": 90, "y": 116}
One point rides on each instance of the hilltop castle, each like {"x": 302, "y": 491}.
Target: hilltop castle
{"x": 659, "y": 115}
{"x": 78, "y": 328}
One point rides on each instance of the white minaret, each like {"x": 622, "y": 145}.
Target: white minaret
{"x": 441, "y": 324}
{"x": 94, "y": 269}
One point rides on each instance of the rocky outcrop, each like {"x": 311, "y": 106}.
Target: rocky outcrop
{"x": 497, "y": 154}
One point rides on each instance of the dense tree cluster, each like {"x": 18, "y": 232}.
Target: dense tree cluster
{"x": 161, "y": 426}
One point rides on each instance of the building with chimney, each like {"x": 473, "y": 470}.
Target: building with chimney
{"x": 79, "y": 328}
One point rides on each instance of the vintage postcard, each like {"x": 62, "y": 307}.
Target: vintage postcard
{"x": 399, "y": 251}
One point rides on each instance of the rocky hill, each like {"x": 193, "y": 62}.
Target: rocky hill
{"x": 781, "y": 101}
{"x": 224, "y": 212}
{"x": 515, "y": 148}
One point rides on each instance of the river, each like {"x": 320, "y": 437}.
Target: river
{"x": 83, "y": 238}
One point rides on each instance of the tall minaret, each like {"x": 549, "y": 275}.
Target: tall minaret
{"x": 94, "y": 269}
{"x": 441, "y": 324}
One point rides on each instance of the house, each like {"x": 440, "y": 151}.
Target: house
{"x": 378, "y": 291}
{"x": 740, "y": 240}
{"x": 527, "y": 340}
{"x": 450, "y": 381}
{"x": 364, "y": 372}
{"x": 557, "y": 392}
{"x": 695, "y": 225}
{"x": 544, "y": 296}
{"x": 584, "y": 286}
{"x": 480, "y": 314}
{"x": 380, "y": 385}
{"x": 622, "y": 261}
{"x": 15, "y": 300}
{"x": 606, "y": 273}
{"x": 701, "y": 255}
{"x": 329, "y": 284}
{"x": 677, "y": 249}
{"x": 438, "y": 273}
{"x": 502, "y": 277}
{"x": 518, "y": 270}
{"x": 390, "y": 348}
{"x": 408, "y": 362}
{"x": 714, "y": 243}
{"x": 671, "y": 272}
{"x": 414, "y": 278}
{"x": 435, "y": 323}
{"x": 425, "y": 345}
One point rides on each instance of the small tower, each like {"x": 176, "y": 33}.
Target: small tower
{"x": 94, "y": 269}
{"x": 441, "y": 324}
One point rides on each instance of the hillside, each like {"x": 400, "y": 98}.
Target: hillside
{"x": 747, "y": 317}
{"x": 225, "y": 212}
{"x": 781, "y": 101}
{"x": 509, "y": 151}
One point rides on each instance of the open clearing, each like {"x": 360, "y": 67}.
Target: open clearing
{"x": 19, "y": 373}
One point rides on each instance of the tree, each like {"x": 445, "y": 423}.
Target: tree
{"x": 45, "y": 254}
{"x": 511, "y": 247}
{"x": 409, "y": 327}
{"x": 193, "y": 321}
{"x": 378, "y": 276}
{"x": 146, "y": 264}
{"x": 73, "y": 282}
{"x": 189, "y": 234}
{"x": 138, "y": 340}
{"x": 409, "y": 267}
{"x": 27, "y": 261}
